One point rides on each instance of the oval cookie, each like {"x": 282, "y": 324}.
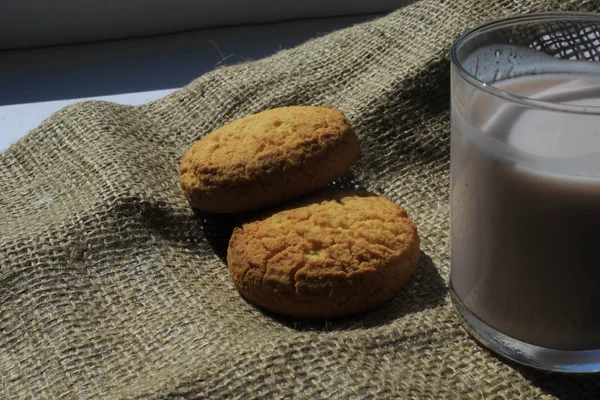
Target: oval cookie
{"x": 267, "y": 158}
{"x": 337, "y": 253}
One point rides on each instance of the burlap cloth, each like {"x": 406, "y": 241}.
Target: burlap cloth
{"x": 111, "y": 287}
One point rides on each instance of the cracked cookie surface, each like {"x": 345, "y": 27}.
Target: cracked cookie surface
{"x": 335, "y": 253}
{"x": 267, "y": 158}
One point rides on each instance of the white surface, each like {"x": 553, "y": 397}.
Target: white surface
{"x": 18, "y": 119}
{"x": 35, "y": 83}
{"x": 27, "y": 23}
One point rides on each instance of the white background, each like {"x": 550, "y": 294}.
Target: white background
{"x": 36, "y": 82}
{"x": 48, "y": 22}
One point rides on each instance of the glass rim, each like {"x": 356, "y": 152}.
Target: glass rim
{"x": 512, "y": 20}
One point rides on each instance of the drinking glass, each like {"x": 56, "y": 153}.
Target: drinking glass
{"x": 525, "y": 188}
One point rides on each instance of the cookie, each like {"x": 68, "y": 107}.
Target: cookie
{"x": 267, "y": 158}
{"x": 336, "y": 253}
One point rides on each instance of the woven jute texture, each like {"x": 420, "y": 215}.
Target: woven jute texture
{"x": 112, "y": 287}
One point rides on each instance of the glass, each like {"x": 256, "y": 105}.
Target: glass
{"x": 525, "y": 188}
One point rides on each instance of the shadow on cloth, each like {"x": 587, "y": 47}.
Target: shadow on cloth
{"x": 559, "y": 385}
{"x": 562, "y": 386}
{"x": 426, "y": 289}
{"x": 405, "y": 119}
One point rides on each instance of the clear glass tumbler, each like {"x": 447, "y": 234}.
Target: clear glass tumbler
{"x": 525, "y": 188}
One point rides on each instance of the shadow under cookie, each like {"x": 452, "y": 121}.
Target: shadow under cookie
{"x": 425, "y": 290}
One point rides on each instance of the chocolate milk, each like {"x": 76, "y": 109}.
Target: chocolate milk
{"x": 526, "y": 212}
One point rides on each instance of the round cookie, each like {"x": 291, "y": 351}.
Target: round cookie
{"x": 336, "y": 253}
{"x": 267, "y": 158}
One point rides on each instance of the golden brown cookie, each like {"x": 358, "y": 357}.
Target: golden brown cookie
{"x": 338, "y": 252}
{"x": 267, "y": 158}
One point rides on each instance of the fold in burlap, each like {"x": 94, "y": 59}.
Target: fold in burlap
{"x": 111, "y": 287}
